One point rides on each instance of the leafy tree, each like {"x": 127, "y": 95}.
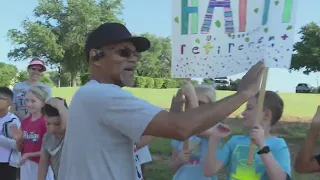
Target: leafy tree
{"x": 195, "y": 82}
{"x": 307, "y": 51}
{"x": 22, "y": 76}
{"x": 208, "y": 81}
{"x": 234, "y": 84}
{"x": 8, "y": 74}
{"x": 59, "y": 32}
{"x": 64, "y": 79}
{"x": 45, "y": 78}
{"x": 156, "y": 62}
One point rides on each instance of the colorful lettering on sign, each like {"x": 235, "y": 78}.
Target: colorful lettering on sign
{"x": 185, "y": 11}
{"x": 190, "y": 15}
{"x": 286, "y": 16}
{"x": 242, "y": 15}
{"x": 265, "y": 12}
{"x": 228, "y": 18}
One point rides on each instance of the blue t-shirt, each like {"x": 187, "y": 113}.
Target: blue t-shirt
{"x": 234, "y": 155}
{"x": 194, "y": 168}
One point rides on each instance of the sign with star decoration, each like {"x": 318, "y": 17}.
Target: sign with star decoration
{"x": 217, "y": 38}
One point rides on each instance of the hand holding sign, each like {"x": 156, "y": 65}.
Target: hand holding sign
{"x": 250, "y": 83}
{"x": 257, "y": 136}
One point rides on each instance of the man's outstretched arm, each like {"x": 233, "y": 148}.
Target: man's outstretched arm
{"x": 180, "y": 126}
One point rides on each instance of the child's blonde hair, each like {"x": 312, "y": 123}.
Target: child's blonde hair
{"x": 40, "y": 92}
{"x": 208, "y": 90}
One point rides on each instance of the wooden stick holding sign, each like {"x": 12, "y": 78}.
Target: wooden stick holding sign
{"x": 187, "y": 88}
{"x": 260, "y": 110}
{"x": 186, "y": 142}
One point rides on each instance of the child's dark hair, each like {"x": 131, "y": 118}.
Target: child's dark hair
{"x": 50, "y": 111}
{"x": 274, "y": 103}
{"x": 7, "y": 92}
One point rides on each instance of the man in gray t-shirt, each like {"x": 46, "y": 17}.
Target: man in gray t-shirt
{"x": 104, "y": 121}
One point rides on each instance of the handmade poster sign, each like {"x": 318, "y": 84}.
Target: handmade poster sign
{"x": 224, "y": 37}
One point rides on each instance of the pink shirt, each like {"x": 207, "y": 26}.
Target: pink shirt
{"x": 33, "y": 132}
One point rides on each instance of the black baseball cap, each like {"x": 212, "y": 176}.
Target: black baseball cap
{"x": 110, "y": 33}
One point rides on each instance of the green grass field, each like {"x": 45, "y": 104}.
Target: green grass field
{"x": 298, "y": 107}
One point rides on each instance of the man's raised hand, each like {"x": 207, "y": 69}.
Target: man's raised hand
{"x": 250, "y": 83}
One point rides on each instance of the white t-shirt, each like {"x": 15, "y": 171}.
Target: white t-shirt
{"x": 144, "y": 155}
{"x": 103, "y": 122}
{"x": 6, "y": 151}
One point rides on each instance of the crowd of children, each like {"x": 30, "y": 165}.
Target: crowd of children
{"x": 34, "y": 144}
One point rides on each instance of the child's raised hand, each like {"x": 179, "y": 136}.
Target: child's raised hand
{"x": 56, "y": 103}
{"x": 188, "y": 88}
{"x": 221, "y": 131}
{"x": 184, "y": 156}
{"x": 190, "y": 93}
{"x": 16, "y": 133}
{"x": 177, "y": 102}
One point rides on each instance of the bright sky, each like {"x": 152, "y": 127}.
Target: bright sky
{"x": 154, "y": 16}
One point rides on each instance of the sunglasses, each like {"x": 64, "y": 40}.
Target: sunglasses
{"x": 127, "y": 52}
{"x": 36, "y": 69}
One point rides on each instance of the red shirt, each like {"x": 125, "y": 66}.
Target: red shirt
{"x": 33, "y": 132}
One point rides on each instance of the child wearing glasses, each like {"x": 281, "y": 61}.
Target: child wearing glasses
{"x": 9, "y": 156}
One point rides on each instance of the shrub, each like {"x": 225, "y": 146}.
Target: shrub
{"x": 169, "y": 83}
{"x": 149, "y": 82}
{"x": 158, "y": 83}
{"x": 140, "y": 82}
{"x": 179, "y": 82}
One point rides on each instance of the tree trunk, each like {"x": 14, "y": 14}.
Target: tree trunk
{"x": 74, "y": 79}
{"x": 59, "y": 76}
